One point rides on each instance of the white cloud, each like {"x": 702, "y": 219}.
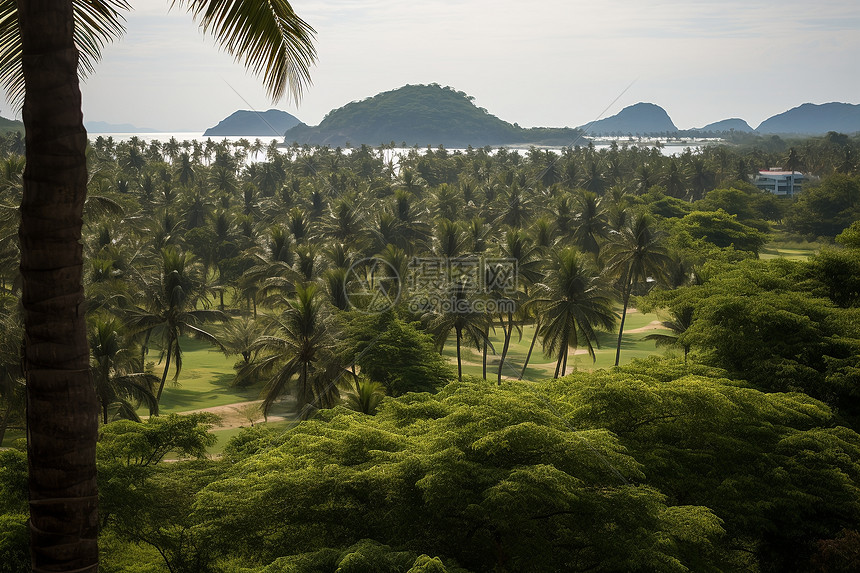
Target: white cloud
{"x": 547, "y": 63}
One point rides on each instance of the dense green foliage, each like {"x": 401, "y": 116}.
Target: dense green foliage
{"x": 651, "y": 467}
{"x": 784, "y": 326}
{"x": 742, "y": 457}
{"x": 395, "y": 353}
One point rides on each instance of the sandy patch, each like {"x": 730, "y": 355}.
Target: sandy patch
{"x": 240, "y": 414}
{"x": 653, "y": 325}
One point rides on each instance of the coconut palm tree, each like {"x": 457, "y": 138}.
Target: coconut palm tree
{"x": 365, "y": 397}
{"x": 524, "y": 261}
{"x": 450, "y": 240}
{"x": 589, "y": 222}
{"x": 456, "y": 312}
{"x": 117, "y": 372}
{"x": 237, "y": 336}
{"x": 171, "y": 309}
{"x": 680, "y": 319}
{"x": 299, "y": 356}
{"x": 636, "y": 253}
{"x": 574, "y": 303}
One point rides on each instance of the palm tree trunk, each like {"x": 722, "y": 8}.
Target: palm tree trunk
{"x": 626, "y": 296}
{"x": 5, "y": 423}
{"x": 486, "y": 338}
{"x": 531, "y": 347}
{"x": 62, "y": 408}
{"x": 564, "y": 362}
{"x": 144, "y": 349}
{"x": 558, "y": 364}
{"x": 459, "y": 362}
{"x": 506, "y": 346}
{"x": 166, "y": 369}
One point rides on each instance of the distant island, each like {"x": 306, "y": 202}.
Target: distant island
{"x": 428, "y": 114}
{"x": 812, "y": 119}
{"x": 271, "y": 123}
{"x": 423, "y": 115}
{"x": 10, "y": 125}
{"x": 642, "y": 118}
{"x": 732, "y": 124}
{"x": 807, "y": 119}
{"x": 434, "y": 115}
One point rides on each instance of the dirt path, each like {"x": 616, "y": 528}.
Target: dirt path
{"x": 240, "y": 414}
{"x": 653, "y": 325}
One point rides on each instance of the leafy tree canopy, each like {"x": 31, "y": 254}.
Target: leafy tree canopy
{"x": 720, "y": 229}
{"x": 772, "y": 323}
{"x": 826, "y": 209}
{"x": 395, "y": 353}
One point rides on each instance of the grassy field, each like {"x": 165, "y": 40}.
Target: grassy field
{"x": 789, "y": 248}
{"x": 636, "y": 328}
{"x": 204, "y": 381}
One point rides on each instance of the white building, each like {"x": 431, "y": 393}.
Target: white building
{"x": 783, "y": 183}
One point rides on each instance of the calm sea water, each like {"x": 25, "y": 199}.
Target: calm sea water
{"x": 181, "y": 136}
{"x": 667, "y": 148}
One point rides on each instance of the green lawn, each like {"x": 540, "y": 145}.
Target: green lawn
{"x": 541, "y": 366}
{"x": 206, "y": 373}
{"x": 789, "y": 249}
{"x": 204, "y": 381}
{"x": 10, "y": 436}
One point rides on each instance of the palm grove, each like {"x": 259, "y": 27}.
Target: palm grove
{"x": 739, "y": 454}
{"x": 191, "y": 239}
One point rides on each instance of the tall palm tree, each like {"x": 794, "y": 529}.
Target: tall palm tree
{"x": 62, "y": 415}
{"x": 457, "y": 313}
{"x": 117, "y": 372}
{"x": 171, "y": 309}
{"x": 524, "y": 260}
{"x": 39, "y": 63}
{"x": 574, "y": 303}
{"x": 299, "y": 356}
{"x": 636, "y": 253}
{"x": 237, "y": 336}
{"x": 589, "y": 220}
{"x": 680, "y": 319}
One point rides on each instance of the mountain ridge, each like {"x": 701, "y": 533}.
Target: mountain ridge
{"x": 428, "y": 114}
{"x": 422, "y": 114}
{"x": 814, "y": 119}
{"x": 642, "y": 118}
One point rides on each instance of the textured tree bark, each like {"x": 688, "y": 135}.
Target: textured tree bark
{"x": 62, "y": 408}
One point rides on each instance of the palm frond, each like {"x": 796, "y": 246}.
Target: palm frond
{"x": 100, "y": 205}
{"x": 267, "y": 37}
{"x": 97, "y": 23}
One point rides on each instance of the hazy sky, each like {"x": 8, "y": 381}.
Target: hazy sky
{"x": 547, "y": 63}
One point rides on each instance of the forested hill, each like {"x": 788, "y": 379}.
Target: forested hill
{"x": 815, "y": 119}
{"x": 423, "y": 115}
{"x": 273, "y": 122}
{"x": 641, "y": 118}
{"x": 10, "y": 125}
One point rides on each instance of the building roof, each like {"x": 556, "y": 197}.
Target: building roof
{"x": 776, "y": 172}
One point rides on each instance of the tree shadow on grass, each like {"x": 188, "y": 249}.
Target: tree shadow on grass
{"x": 178, "y": 399}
